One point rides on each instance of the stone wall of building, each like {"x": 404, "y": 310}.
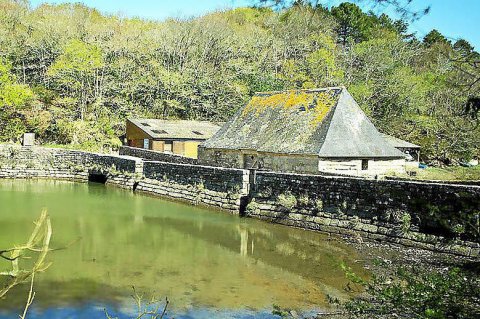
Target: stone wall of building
{"x": 353, "y": 167}
{"x": 221, "y": 158}
{"x": 155, "y": 156}
{"x": 214, "y": 186}
{"x": 306, "y": 164}
{"x": 258, "y": 160}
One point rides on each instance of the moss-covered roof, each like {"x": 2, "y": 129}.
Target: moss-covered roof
{"x": 325, "y": 122}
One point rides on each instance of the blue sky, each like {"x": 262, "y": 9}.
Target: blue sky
{"x": 454, "y": 18}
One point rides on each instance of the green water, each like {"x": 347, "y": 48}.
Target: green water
{"x": 199, "y": 258}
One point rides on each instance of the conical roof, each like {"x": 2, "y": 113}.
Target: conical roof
{"x": 325, "y": 122}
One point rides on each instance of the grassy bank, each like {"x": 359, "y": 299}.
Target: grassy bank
{"x": 453, "y": 173}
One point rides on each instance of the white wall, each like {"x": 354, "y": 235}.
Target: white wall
{"x": 354, "y": 166}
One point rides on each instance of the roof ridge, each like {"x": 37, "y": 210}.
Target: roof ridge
{"x": 166, "y": 120}
{"x": 314, "y": 90}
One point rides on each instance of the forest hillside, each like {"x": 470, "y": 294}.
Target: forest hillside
{"x": 72, "y": 74}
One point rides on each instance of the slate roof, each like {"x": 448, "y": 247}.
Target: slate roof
{"x": 325, "y": 122}
{"x": 398, "y": 143}
{"x": 176, "y": 129}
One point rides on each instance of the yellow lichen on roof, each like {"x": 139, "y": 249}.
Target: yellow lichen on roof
{"x": 260, "y": 103}
{"x": 324, "y": 103}
{"x": 317, "y": 103}
{"x": 286, "y": 99}
{"x": 299, "y": 98}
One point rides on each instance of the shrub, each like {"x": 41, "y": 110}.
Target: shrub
{"x": 303, "y": 200}
{"x": 252, "y": 207}
{"x": 413, "y": 292}
{"x": 287, "y": 200}
{"x": 406, "y": 222}
{"x": 319, "y": 204}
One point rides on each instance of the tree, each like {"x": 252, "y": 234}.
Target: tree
{"x": 434, "y": 37}
{"x": 76, "y": 72}
{"x": 463, "y": 47}
{"x": 14, "y": 99}
{"x": 352, "y": 23}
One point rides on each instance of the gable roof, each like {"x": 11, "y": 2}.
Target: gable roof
{"x": 325, "y": 122}
{"x": 176, "y": 129}
{"x": 398, "y": 143}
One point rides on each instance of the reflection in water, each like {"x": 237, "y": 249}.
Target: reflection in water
{"x": 205, "y": 261}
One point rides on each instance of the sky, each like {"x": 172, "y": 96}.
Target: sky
{"x": 454, "y": 18}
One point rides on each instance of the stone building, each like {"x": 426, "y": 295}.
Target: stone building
{"x": 169, "y": 136}
{"x": 305, "y": 131}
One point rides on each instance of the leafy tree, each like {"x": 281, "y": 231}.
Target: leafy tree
{"x": 14, "y": 98}
{"x": 76, "y": 72}
{"x": 435, "y": 37}
{"x": 401, "y": 7}
{"x": 352, "y": 23}
{"x": 463, "y": 47}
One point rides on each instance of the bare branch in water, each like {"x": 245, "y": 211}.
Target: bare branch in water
{"x": 151, "y": 308}
{"x": 31, "y": 296}
{"x": 38, "y": 245}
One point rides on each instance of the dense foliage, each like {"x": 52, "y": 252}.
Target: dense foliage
{"x": 72, "y": 75}
{"x": 413, "y": 292}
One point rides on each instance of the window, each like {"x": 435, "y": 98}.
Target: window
{"x": 159, "y": 131}
{"x": 364, "y": 164}
{"x": 197, "y": 133}
{"x": 168, "y": 146}
{"x": 145, "y": 124}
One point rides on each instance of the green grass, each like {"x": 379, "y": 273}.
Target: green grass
{"x": 452, "y": 173}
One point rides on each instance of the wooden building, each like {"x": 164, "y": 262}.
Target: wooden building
{"x": 304, "y": 131}
{"x": 169, "y": 136}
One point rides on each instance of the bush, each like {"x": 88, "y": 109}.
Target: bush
{"x": 287, "y": 200}
{"x": 413, "y": 292}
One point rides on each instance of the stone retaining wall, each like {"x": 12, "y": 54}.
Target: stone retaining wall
{"x": 410, "y": 213}
{"x": 26, "y": 173}
{"x": 213, "y": 186}
{"x": 39, "y": 162}
{"x": 155, "y": 156}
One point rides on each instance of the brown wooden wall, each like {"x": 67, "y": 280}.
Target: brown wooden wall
{"x": 135, "y": 136}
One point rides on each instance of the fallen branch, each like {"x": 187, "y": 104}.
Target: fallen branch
{"x": 37, "y": 246}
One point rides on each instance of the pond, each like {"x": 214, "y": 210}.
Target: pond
{"x": 208, "y": 263}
